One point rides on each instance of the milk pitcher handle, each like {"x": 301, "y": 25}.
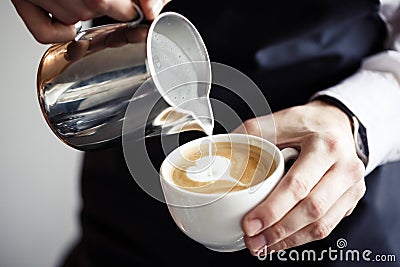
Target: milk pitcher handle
{"x": 140, "y": 17}
{"x": 80, "y": 33}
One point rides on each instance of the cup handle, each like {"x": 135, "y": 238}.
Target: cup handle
{"x": 289, "y": 153}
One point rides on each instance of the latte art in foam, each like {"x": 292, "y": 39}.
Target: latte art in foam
{"x": 234, "y": 166}
{"x": 209, "y": 169}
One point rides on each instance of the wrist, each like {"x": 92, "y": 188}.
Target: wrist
{"x": 335, "y": 113}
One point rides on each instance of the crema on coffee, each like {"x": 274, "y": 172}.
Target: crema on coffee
{"x": 246, "y": 163}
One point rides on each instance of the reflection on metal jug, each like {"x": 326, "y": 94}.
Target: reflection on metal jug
{"x": 85, "y": 86}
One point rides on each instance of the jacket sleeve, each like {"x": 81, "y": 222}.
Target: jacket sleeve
{"x": 373, "y": 94}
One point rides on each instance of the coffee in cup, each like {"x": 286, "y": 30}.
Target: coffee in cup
{"x": 225, "y": 167}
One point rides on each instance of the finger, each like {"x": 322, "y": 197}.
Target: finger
{"x": 76, "y": 10}
{"x": 263, "y": 126}
{"x": 323, "y": 227}
{"x": 313, "y": 162}
{"x": 122, "y": 10}
{"x": 251, "y": 126}
{"x": 350, "y": 211}
{"x": 324, "y": 195}
{"x": 151, "y": 8}
{"x": 60, "y": 10}
{"x": 40, "y": 24}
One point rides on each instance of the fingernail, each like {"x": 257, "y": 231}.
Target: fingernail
{"x": 253, "y": 227}
{"x": 257, "y": 243}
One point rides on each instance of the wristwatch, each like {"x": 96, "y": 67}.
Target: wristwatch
{"x": 359, "y": 131}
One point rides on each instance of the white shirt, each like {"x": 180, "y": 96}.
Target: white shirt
{"x": 373, "y": 93}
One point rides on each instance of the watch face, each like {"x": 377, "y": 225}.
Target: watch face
{"x": 361, "y": 144}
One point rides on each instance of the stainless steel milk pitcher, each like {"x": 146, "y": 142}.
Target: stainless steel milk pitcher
{"x": 86, "y": 85}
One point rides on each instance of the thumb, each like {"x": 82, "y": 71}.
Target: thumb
{"x": 122, "y": 10}
{"x": 263, "y": 127}
{"x": 151, "y": 8}
{"x": 38, "y": 22}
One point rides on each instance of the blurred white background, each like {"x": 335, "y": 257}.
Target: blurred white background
{"x": 39, "y": 175}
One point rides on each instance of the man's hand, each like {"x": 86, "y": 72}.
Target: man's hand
{"x": 319, "y": 190}
{"x": 60, "y": 28}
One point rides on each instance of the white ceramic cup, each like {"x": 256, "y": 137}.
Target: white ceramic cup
{"x": 211, "y": 219}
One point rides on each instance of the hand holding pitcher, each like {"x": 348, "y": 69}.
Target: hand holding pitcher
{"x": 59, "y": 27}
